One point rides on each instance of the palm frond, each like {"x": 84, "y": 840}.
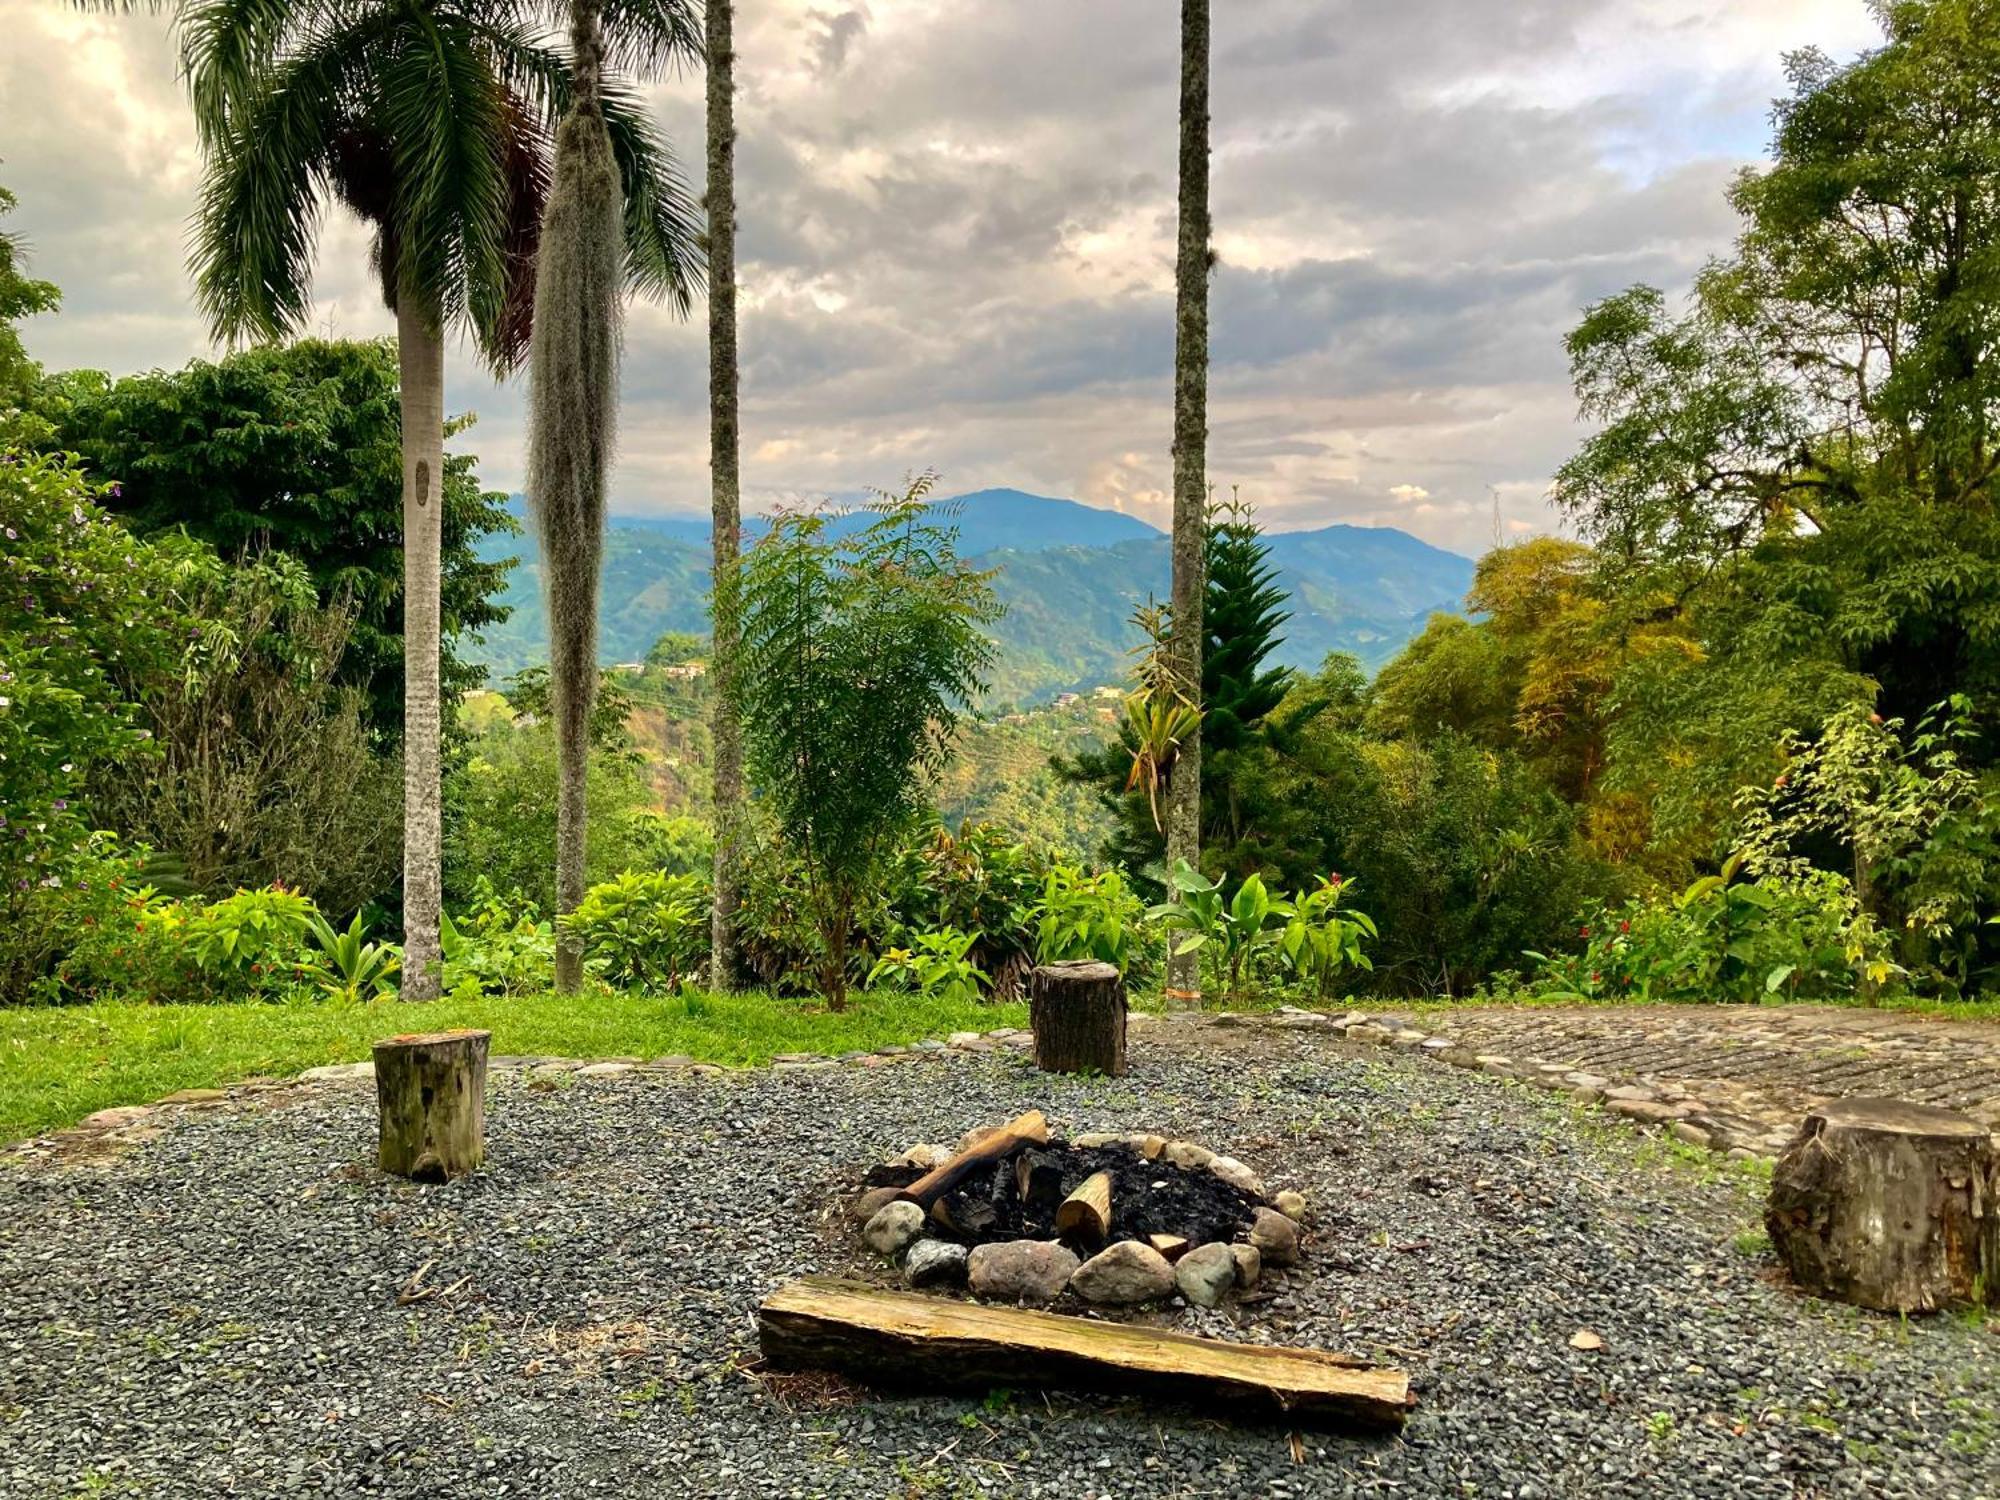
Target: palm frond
{"x": 652, "y": 36}
{"x": 228, "y": 47}
{"x": 443, "y": 114}
{"x": 663, "y": 219}
{"x": 263, "y": 197}
{"x": 663, "y": 222}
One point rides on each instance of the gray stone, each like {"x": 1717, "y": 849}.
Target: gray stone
{"x": 1644, "y": 1111}
{"x": 924, "y": 1156}
{"x": 1291, "y": 1205}
{"x": 1123, "y": 1275}
{"x": 1275, "y": 1237}
{"x": 935, "y": 1263}
{"x": 893, "y": 1227}
{"x": 1372, "y": 1032}
{"x": 196, "y": 1096}
{"x": 873, "y": 1202}
{"x": 1187, "y": 1155}
{"x": 1020, "y": 1270}
{"x": 1692, "y": 1135}
{"x": 337, "y": 1072}
{"x": 604, "y": 1069}
{"x": 112, "y": 1119}
{"x": 1633, "y": 1093}
{"x": 1249, "y": 1265}
{"x": 1206, "y": 1273}
{"x": 1237, "y": 1175}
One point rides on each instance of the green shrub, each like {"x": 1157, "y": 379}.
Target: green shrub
{"x": 116, "y": 933}
{"x": 1321, "y": 942}
{"x": 346, "y": 966}
{"x": 254, "y": 938}
{"x": 1229, "y": 931}
{"x": 935, "y": 966}
{"x": 1725, "y": 939}
{"x": 643, "y": 928}
{"x": 498, "y": 946}
{"x": 1085, "y": 916}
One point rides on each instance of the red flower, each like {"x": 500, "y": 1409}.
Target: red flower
{"x": 1596, "y": 978}
{"x": 1583, "y": 932}
{"x": 1625, "y": 926}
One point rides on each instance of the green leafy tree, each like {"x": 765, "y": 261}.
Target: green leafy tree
{"x": 432, "y": 124}
{"x": 1804, "y": 463}
{"x": 84, "y": 607}
{"x": 295, "y": 448}
{"x": 21, "y": 296}
{"x": 1243, "y": 617}
{"x": 263, "y": 769}
{"x": 859, "y": 653}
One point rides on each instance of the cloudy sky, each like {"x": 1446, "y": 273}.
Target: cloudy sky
{"x": 958, "y": 226}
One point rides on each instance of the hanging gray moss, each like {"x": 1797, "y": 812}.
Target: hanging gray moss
{"x": 573, "y": 399}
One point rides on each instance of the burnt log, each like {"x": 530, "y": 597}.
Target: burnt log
{"x": 430, "y": 1094}
{"x": 897, "y": 1339}
{"x": 1030, "y": 1129}
{"x": 1889, "y": 1205}
{"x": 1038, "y": 1178}
{"x": 1086, "y": 1213}
{"x": 1077, "y": 1012}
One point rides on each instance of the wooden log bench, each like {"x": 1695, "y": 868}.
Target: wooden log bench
{"x": 906, "y": 1341}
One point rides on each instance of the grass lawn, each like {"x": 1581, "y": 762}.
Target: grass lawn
{"x": 58, "y": 1065}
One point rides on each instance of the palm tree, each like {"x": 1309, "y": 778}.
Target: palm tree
{"x": 725, "y": 485}
{"x": 430, "y": 119}
{"x": 1191, "y": 268}
{"x": 572, "y": 415}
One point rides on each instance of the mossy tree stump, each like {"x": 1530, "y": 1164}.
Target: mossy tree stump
{"x": 431, "y": 1091}
{"x": 1077, "y": 1010}
{"x": 1889, "y": 1205}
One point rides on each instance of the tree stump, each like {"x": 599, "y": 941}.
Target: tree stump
{"x": 1889, "y": 1205}
{"x": 1077, "y": 1011}
{"x": 431, "y": 1090}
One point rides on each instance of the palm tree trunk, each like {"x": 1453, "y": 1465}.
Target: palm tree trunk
{"x": 420, "y": 349}
{"x": 726, "y": 489}
{"x": 1190, "y": 459}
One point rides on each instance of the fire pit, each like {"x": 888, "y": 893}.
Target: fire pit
{"x": 1119, "y": 1220}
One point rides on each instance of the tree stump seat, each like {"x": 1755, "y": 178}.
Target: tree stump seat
{"x": 430, "y": 1090}
{"x": 1077, "y": 1012}
{"x": 1889, "y": 1205}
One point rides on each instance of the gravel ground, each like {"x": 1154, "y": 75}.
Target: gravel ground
{"x": 216, "y": 1312}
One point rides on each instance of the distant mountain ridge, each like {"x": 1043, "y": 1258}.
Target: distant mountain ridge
{"x": 1070, "y": 575}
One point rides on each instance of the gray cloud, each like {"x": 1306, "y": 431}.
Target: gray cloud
{"x": 958, "y": 231}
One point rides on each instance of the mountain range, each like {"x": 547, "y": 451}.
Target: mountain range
{"x": 1069, "y": 574}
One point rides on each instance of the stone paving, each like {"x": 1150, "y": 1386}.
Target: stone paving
{"x": 1737, "y": 1078}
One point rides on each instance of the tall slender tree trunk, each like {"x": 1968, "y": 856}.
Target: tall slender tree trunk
{"x": 420, "y": 351}
{"x": 725, "y": 486}
{"x": 573, "y": 375}
{"x": 1190, "y": 581}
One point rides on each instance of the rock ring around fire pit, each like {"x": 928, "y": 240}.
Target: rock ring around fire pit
{"x": 1114, "y": 1220}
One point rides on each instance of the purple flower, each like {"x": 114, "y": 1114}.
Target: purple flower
{"x": 62, "y": 804}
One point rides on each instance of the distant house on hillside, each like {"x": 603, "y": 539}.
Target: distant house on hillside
{"x": 1064, "y": 700}
{"x": 685, "y": 671}
{"x": 1107, "y": 690}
